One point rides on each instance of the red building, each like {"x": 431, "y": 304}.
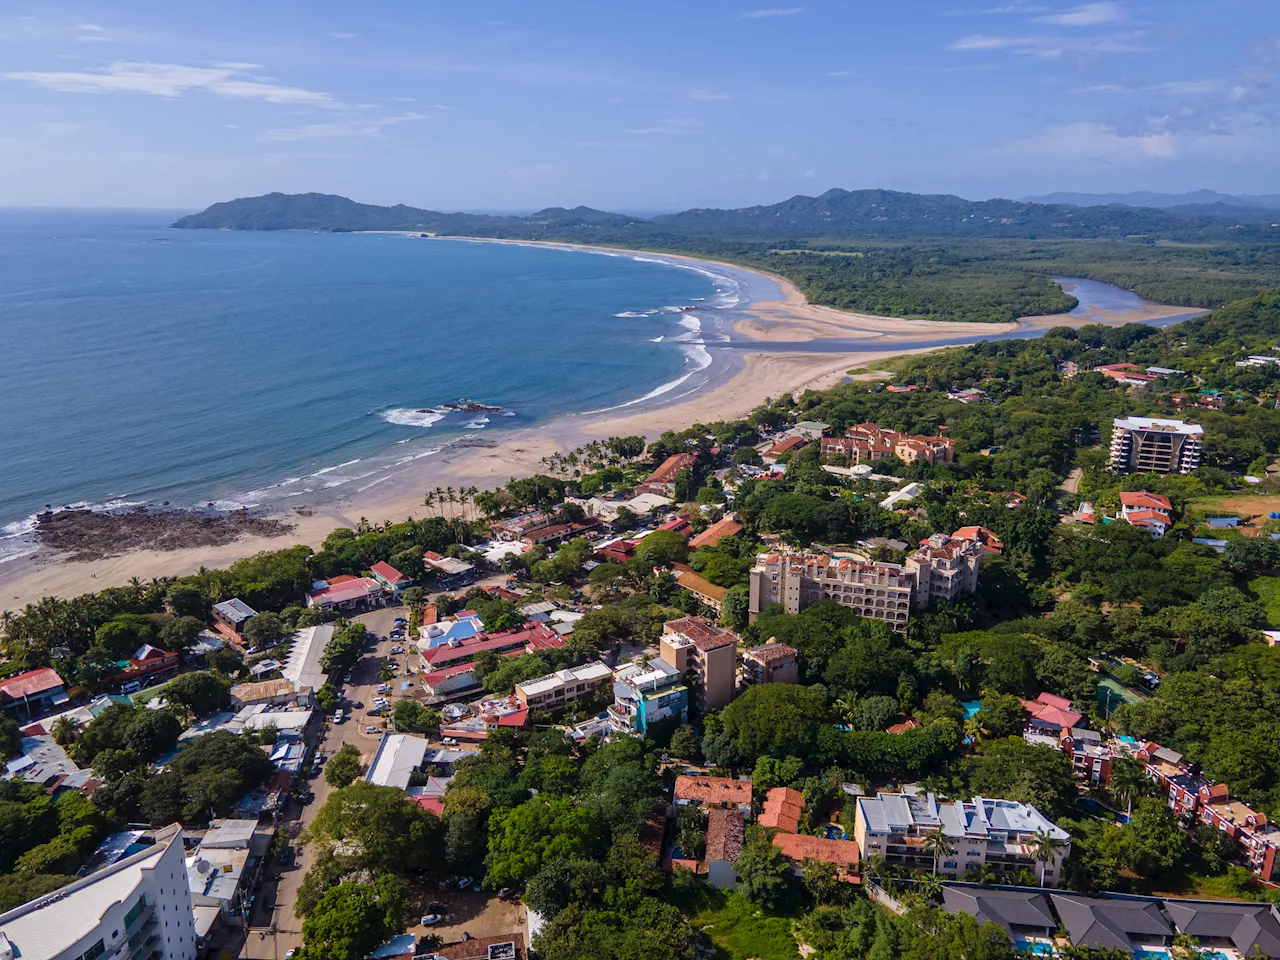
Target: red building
{"x": 146, "y": 663}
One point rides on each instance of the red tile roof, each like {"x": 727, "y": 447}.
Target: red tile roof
{"x": 670, "y": 467}
{"x": 704, "y": 634}
{"x": 772, "y": 651}
{"x": 725, "y": 832}
{"x": 388, "y": 573}
{"x": 801, "y": 847}
{"x": 695, "y": 582}
{"x": 1144, "y": 498}
{"x": 30, "y": 684}
{"x": 728, "y": 527}
{"x": 1050, "y": 709}
{"x": 782, "y": 809}
{"x": 713, "y": 789}
{"x": 434, "y": 804}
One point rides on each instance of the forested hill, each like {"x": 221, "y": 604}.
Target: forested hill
{"x": 835, "y": 214}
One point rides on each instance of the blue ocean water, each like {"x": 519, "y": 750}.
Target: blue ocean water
{"x": 145, "y": 364}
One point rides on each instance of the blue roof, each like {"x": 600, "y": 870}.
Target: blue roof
{"x": 404, "y": 945}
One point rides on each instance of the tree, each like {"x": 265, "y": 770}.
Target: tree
{"x": 938, "y": 845}
{"x": 773, "y": 719}
{"x": 523, "y": 838}
{"x": 181, "y": 633}
{"x": 1016, "y": 770}
{"x": 343, "y": 767}
{"x": 734, "y": 610}
{"x": 691, "y": 832}
{"x": 353, "y": 919}
{"x": 822, "y": 883}
{"x": 1001, "y": 715}
{"x": 10, "y": 739}
{"x": 684, "y": 744}
{"x": 410, "y": 716}
{"x": 762, "y": 871}
{"x": 202, "y": 692}
{"x": 260, "y": 630}
{"x": 1156, "y": 842}
{"x": 1044, "y": 848}
{"x": 561, "y": 882}
{"x": 376, "y": 830}
{"x": 876, "y": 713}
{"x": 327, "y": 698}
{"x": 414, "y": 596}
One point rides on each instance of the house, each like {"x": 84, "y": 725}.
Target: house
{"x": 492, "y": 714}
{"x": 529, "y": 638}
{"x": 775, "y": 451}
{"x": 43, "y": 762}
{"x": 458, "y": 626}
{"x": 983, "y": 537}
{"x": 1148, "y": 510}
{"x": 347, "y": 594}
{"x": 1023, "y": 914}
{"x": 32, "y": 694}
{"x": 771, "y": 663}
{"x": 678, "y": 525}
{"x": 695, "y": 644}
{"x": 1004, "y": 834}
{"x": 647, "y": 693}
{"x": 1084, "y": 513}
{"x": 230, "y": 616}
{"x": 451, "y": 682}
{"x": 1152, "y": 445}
{"x": 810, "y": 429}
{"x": 783, "y": 808}
{"x": 302, "y": 665}
{"x": 390, "y": 578}
{"x": 710, "y": 537}
{"x": 608, "y": 511}
{"x": 1126, "y": 373}
{"x": 943, "y": 568}
{"x": 662, "y": 482}
{"x": 1049, "y": 714}
{"x": 801, "y": 848}
{"x": 517, "y": 527}
{"x": 713, "y": 792}
{"x": 564, "y": 686}
{"x": 968, "y": 395}
{"x": 275, "y": 692}
{"x": 1250, "y": 929}
{"x": 132, "y": 905}
{"x": 726, "y": 830}
{"x": 708, "y": 593}
{"x": 397, "y": 757}
{"x": 506, "y": 946}
{"x": 148, "y": 663}
{"x": 1112, "y": 922}
{"x": 868, "y": 442}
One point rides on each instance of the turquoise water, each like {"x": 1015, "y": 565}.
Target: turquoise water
{"x": 145, "y": 364}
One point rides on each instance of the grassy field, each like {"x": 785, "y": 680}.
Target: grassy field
{"x": 740, "y": 931}
{"x": 1267, "y": 590}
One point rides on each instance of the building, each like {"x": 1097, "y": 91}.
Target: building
{"x": 708, "y": 594}
{"x": 1127, "y": 373}
{"x": 1147, "y": 445}
{"x": 1050, "y": 715}
{"x": 42, "y": 761}
{"x": 711, "y": 793}
{"x": 526, "y": 639}
{"x": 810, "y": 429}
{"x": 710, "y": 537}
{"x": 32, "y": 694}
{"x": 726, "y": 833}
{"x": 390, "y": 578}
{"x": 943, "y": 568}
{"x": 302, "y": 665}
{"x": 986, "y": 539}
{"x": 647, "y": 693}
{"x": 1114, "y": 922}
{"x": 1250, "y": 929}
{"x": 564, "y": 686}
{"x": 771, "y": 663}
{"x": 148, "y": 664}
{"x": 347, "y": 594}
{"x": 800, "y": 848}
{"x": 230, "y": 616}
{"x": 451, "y": 682}
{"x": 608, "y": 511}
{"x": 696, "y": 645}
{"x": 868, "y": 442}
{"x": 776, "y": 450}
{"x": 1003, "y": 833}
{"x": 507, "y": 946}
{"x": 1150, "y": 511}
{"x": 662, "y": 481}
{"x": 522, "y": 524}
{"x": 1022, "y": 914}
{"x": 138, "y": 908}
{"x": 797, "y": 580}
{"x": 397, "y": 757}
{"x": 783, "y": 808}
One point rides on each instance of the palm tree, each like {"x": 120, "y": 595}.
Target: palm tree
{"x": 846, "y": 709}
{"x": 930, "y": 885}
{"x": 875, "y": 866}
{"x": 1045, "y": 849}
{"x": 936, "y": 842}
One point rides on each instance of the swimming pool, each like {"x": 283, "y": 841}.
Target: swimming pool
{"x": 1038, "y": 947}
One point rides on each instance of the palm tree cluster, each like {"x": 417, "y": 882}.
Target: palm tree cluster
{"x": 612, "y": 451}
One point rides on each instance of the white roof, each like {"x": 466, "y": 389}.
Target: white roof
{"x": 47, "y": 926}
{"x": 588, "y": 671}
{"x": 1148, "y": 423}
{"x": 397, "y": 757}
{"x": 229, "y": 833}
{"x": 235, "y": 609}
{"x": 303, "y": 663}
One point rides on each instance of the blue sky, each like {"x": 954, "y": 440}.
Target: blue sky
{"x": 635, "y": 106}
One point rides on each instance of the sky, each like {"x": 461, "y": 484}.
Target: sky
{"x": 514, "y": 105}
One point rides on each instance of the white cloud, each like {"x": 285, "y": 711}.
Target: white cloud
{"x": 365, "y": 128}
{"x": 1051, "y": 48}
{"x": 1017, "y": 8}
{"x": 1086, "y": 15}
{"x": 771, "y": 12}
{"x": 171, "y": 81}
{"x": 1098, "y": 141}
{"x": 709, "y": 95}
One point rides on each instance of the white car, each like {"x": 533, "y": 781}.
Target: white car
{"x": 384, "y": 688}
{"x": 450, "y": 742}
{"x": 371, "y": 730}
{"x": 380, "y": 701}
{"x": 397, "y": 649}
{"x": 432, "y": 919}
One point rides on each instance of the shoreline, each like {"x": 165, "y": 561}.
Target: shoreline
{"x": 734, "y": 390}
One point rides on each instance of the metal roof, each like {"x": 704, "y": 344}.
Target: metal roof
{"x": 397, "y": 757}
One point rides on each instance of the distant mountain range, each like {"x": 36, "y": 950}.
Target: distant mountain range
{"x": 1163, "y": 201}
{"x": 835, "y": 214}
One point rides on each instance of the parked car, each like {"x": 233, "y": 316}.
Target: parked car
{"x": 432, "y": 919}
{"x": 290, "y": 953}
{"x": 449, "y": 741}
{"x": 401, "y": 621}
{"x": 380, "y": 701}
{"x": 397, "y": 649}
{"x": 465, "y": 882}
{"x": 384, "y": 688}
{"x": 307, "y": 797}
{"x": 371, "y": 730}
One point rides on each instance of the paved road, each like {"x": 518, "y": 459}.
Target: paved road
{"x": 275, "y": 930}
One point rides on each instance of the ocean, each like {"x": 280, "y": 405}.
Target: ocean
{"x": 149, "y": 365}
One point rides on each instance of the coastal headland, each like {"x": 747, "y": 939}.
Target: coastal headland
{"x": 771, "y": 371}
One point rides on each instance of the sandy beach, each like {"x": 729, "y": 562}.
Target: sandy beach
{"x": 762, "y": 375}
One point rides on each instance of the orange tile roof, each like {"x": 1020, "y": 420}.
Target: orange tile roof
{"x": 713, "y": 789}
{"x": 801, "y": 847}
{"x": 670, "y": 467}
{"x": 690, "y": 579}
{"x": 728, "y": 527}
{"x": 783, "y": 808}
{"x": 725, "y": 832}
{"x": 704, "y": 634}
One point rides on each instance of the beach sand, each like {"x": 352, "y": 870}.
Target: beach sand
{"x": 763, "y": 376}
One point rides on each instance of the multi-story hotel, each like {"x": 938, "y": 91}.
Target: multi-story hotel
{"x": 867, "y": 442}
{"x": 1003, "y": 833}
{"x": 556, "y": 689}
{"x": 696, "y": 644}
{"x": 139, "y": 908}
{"x": 941, "y": 569}
{"x": 1147, "y": 445}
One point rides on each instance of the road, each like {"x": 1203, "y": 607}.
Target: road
{"x": 274, "y": 930}
{"x": 1072, "y": 483}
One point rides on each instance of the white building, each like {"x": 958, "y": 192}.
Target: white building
{"x": 302, "y": 666}
{"x": 556, "y": 689}
{"x": 1150, "y": 445}
{"x": 1003, "y": 833}
{"x": 397, "y": 757}
{"x": 136, "y": 909}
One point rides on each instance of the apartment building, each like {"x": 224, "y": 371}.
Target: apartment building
{"x": 1151, "y": 445}
{"x": 868, "y": 442}
{"x": 647, "y": 693}
{"x": 564, "y": 686}
{"x": 1002, "y": 833}
{"x": 138, "y": 908}
{"x": 941, "y": 569}
{"x": 710, "y": 652}
{"x": 771, "y": 663}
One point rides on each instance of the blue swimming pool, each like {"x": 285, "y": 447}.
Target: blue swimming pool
{"x": 1037, "y": 947}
